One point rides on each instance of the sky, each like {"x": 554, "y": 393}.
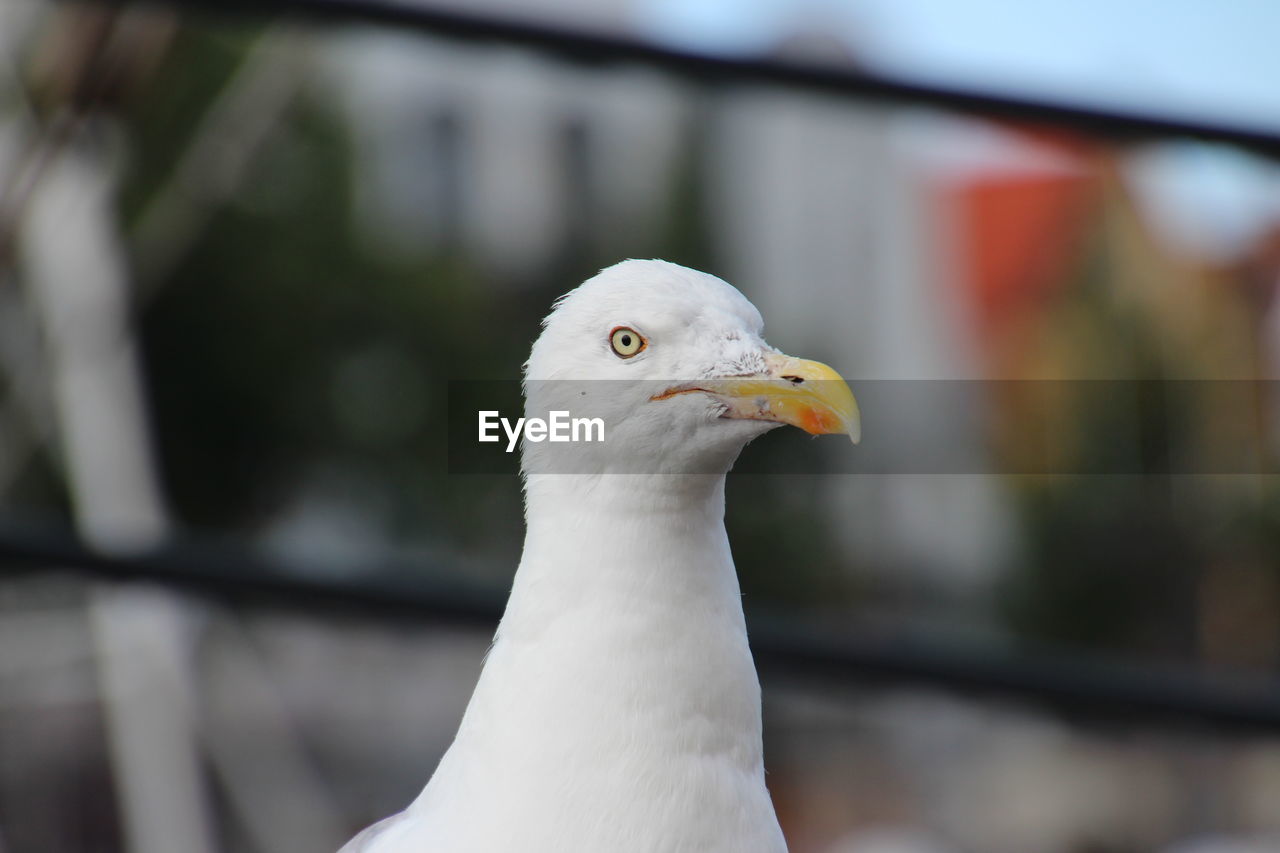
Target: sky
{"x": 1217, "y": 61}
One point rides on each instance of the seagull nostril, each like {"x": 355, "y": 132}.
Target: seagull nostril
{"x": 794, "y": 380}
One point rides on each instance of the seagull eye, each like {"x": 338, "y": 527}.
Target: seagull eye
{"x": 626, "y": 342}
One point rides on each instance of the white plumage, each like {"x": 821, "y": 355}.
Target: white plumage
{"x": 618, "y": 709}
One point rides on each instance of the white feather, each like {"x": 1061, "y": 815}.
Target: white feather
{"x": 618, "y": 709}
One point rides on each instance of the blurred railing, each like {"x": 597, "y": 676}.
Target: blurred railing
{"x": 1082, "y": 690}
{"x": 1086, "y": 692}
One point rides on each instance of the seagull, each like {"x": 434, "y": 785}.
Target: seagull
{"x": 618, "y": 709}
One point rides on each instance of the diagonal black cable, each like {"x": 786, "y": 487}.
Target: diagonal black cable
{"x": 859, "y": 83}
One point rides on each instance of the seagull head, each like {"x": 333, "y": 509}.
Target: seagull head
{"x": 673, "y": 363}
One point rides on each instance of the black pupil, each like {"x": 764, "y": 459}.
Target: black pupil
{"x": 626, "y": 340}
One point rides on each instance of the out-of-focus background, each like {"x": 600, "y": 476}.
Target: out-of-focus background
{"x": 243, "y": 600}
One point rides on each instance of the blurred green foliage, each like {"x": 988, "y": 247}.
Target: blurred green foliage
{"x": 282, "y": 344}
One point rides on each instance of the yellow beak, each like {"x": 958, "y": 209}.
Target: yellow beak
{"x": 806, "y": 394}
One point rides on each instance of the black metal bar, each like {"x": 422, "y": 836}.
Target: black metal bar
{"x": 848, "y": 82}
{"x": 1086, "y": 691}
{"x": 1083, "y": 690}
{"x": 390, "y": 591}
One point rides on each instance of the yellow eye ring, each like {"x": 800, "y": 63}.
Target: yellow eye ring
{"x": 626, "y": 342}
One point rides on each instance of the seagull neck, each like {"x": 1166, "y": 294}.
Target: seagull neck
{"x": 616, "y": 536}
{"x": 622, "y": 664}
{"x": 653, "y": 497}
{"x": 627, "y": 602}
{"x": 650, "y": 544}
